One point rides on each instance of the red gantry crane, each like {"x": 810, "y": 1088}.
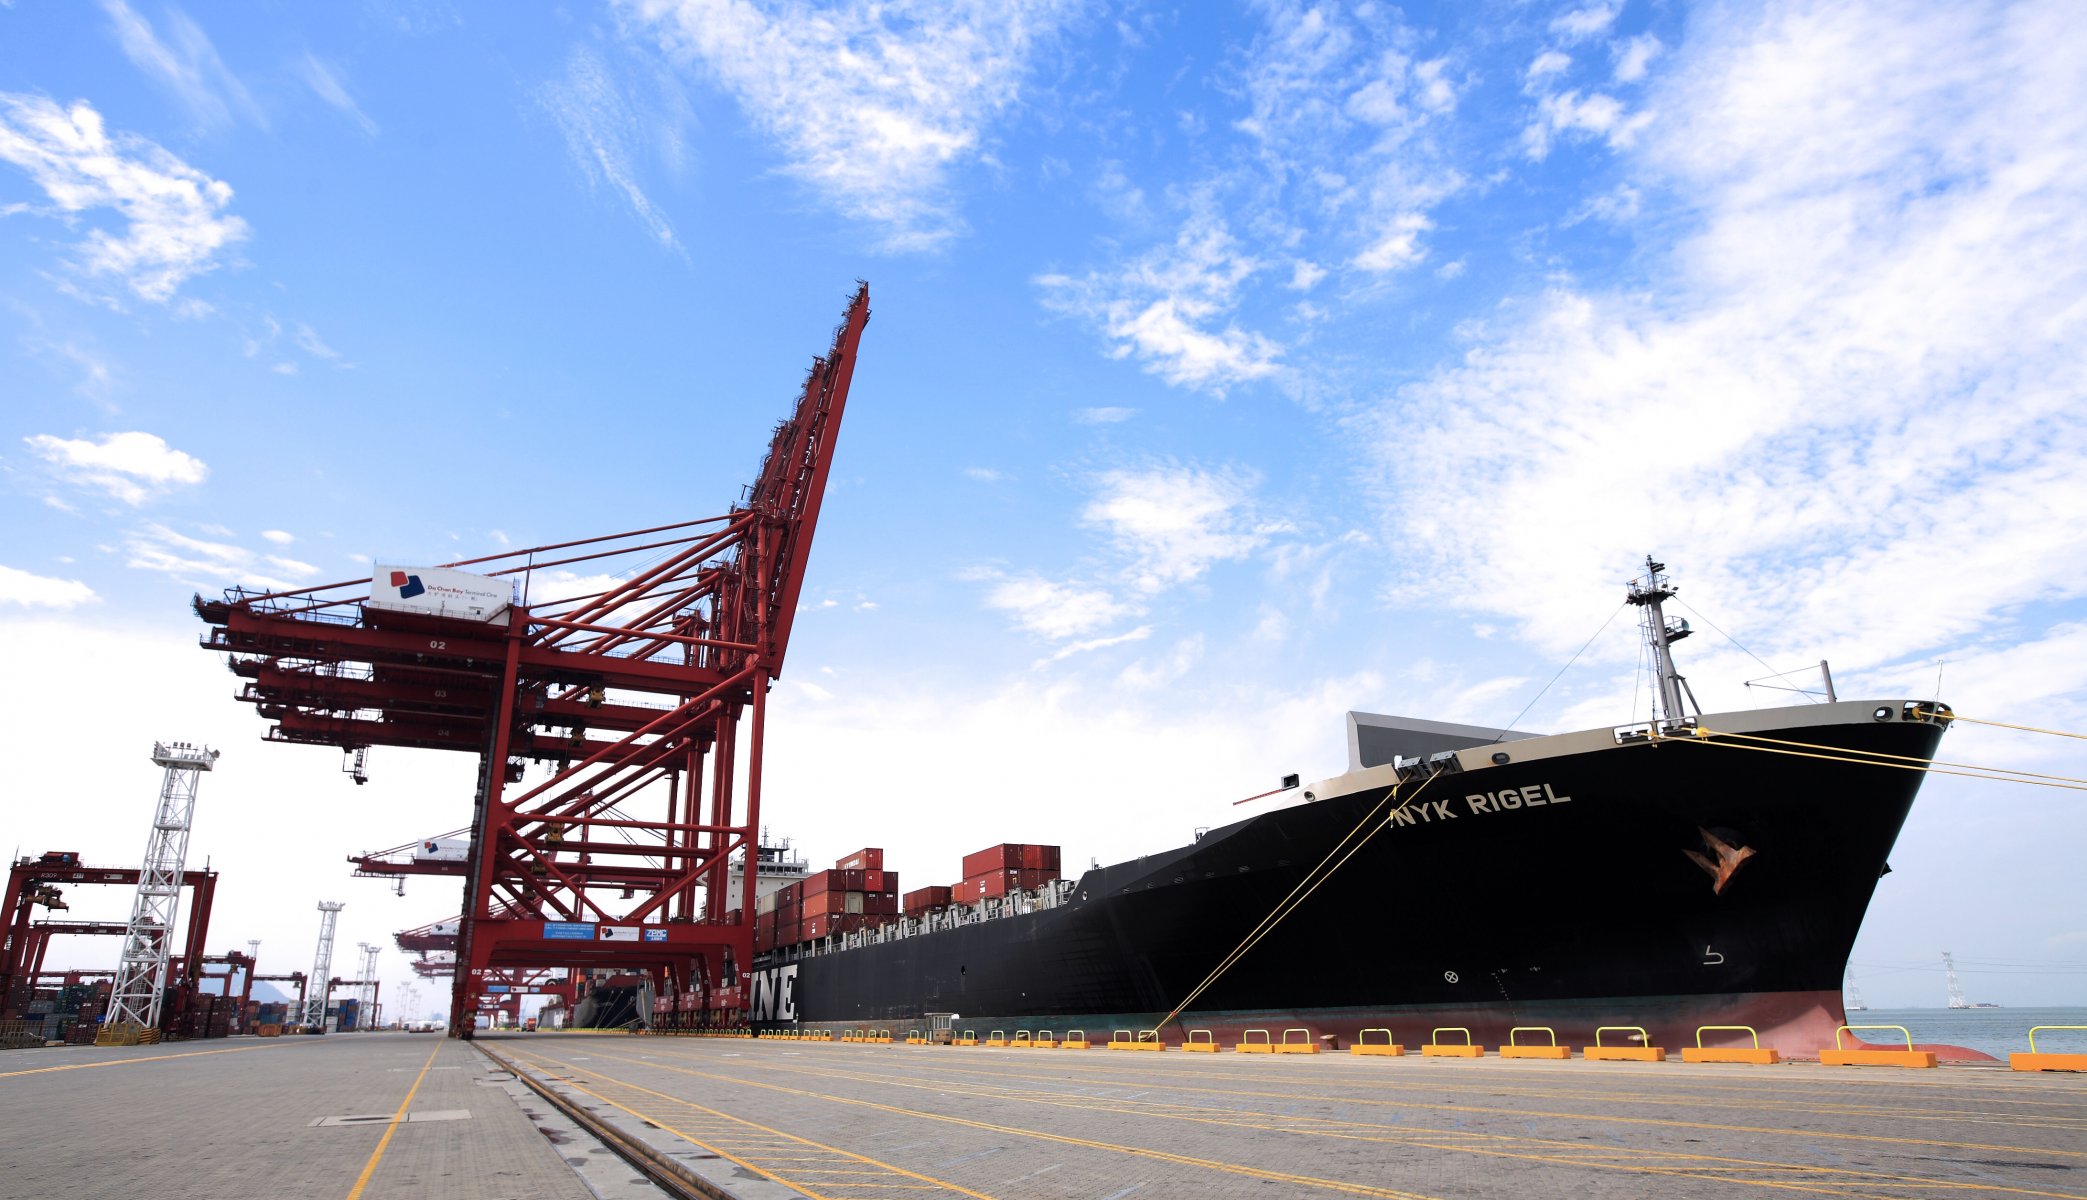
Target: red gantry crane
{"x": 636, "y": 696}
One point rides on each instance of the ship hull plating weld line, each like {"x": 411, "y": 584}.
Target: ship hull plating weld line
{"x": 662, "y": 1171}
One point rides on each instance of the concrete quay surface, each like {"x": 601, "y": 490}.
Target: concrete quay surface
{"x": 766, "y": 1119}
{"x": 289, "y": 1117}
{"x": 854, "y": 1121}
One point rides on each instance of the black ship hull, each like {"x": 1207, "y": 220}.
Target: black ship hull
{"x": 1571, "y": 890}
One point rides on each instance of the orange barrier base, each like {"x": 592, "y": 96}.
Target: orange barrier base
{"x": 1877, "y": 1058}
{"x": 1297, "y": 1047}
{"x": 1255, "y": 1047}
{"x": 1432, "y": 1051}
{"x": 1536, "y": 1051}
{"x": 1137, "y": 1045}
{"x": 2048, "y": 1062}
{"x": 1735, "y": 1054}
{"x": 1378, "y": 1048}
{"x": 1201, "y": 1047}
{"x": 1623, "y": 1054}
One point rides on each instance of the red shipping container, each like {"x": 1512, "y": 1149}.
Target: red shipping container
{"x": 1035, "y": 858}
{"x": 926, "y": 899}
{"x": 992, "y": 858}
{"x": 871, "y": 859}
{"x": 880, "y": 904}
{"x": 814, "y": 928}
{"x": 874, "y": 880}
{"x": 820, "y": 882}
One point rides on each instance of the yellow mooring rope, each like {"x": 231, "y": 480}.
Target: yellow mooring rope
{"x": 1872, "y": 758}
{"x": 2004, "y": 725}
{"x": 1299, "y": 894}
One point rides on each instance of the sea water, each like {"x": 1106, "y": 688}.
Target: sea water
{"x": 1996, "y": 1031}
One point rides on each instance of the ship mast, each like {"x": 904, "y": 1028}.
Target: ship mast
{"x": 1648, "y": 594}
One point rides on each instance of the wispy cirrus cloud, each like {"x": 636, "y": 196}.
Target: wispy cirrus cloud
{"x": 204, "y": 563}
{"x": 185, "y": 63}
{"x": 605, "y": 133}
{"x": 174, "y": 223}
{"x": 133, "y": 467}
{"x": 1852, "y": 398}
{"x": 1050, "y": 608}
{"x": 1172, "y": 523}
{"x": 1171, "y": 308}
{"x": 876, "y": 106}
{"x": 326, "y": 82}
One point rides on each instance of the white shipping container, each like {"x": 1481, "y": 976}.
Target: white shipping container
{"x": 853, "y": 903}
{"x": 440, "y": 591}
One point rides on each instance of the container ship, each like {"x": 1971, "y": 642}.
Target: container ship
{"x": 1691, "y": 871}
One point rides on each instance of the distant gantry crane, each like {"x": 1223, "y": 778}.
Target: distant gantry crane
{"x": 148, "y": 940}
{"x": 643, "y": 700}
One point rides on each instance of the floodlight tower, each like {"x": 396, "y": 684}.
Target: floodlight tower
{"x": 369, "y": 979}
{"x": 322, "y": 963}
{"x": 141, "y": 977}
{"x": 1956, "y": 990}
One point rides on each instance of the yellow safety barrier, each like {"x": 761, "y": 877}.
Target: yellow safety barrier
{"x": 2034, "y": 1061}
{"x": 996, "y": 1038}
{"x": 967, "y": 1038}
{"x": 1387, "y": 1047}
{"x": 913, "y": 1038}
{"x": 1642, "y": 1053}
{"x": 1023, "y": 1040}
{"x": 1206, "y": 1045}
{"x": 1304, "y": 1045}
{"x": 883, "y": 1037}
{"x": 1075, "y": 1039}
{"x": 1514, "y": 1049}
{"x": 1699, "y": 1053}
{"x": 1046, "y": 1039}
{"x": 1146, "y": 1039}
{"x": 1437, "y": 1048}
{"x": 1247, "y": 1044}
{"x": 1909, "y": 1057}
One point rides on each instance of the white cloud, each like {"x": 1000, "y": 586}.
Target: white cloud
{"x": 189, "y": 67}
{"x": 1587, "y": 21}
{"x": 1634, "y": 56}
{"x": 1054, "y": 610}
{"x": 1170, "y": 309}
{"x": 1550, "y": 62}
{"x": 1158, "y": 672}
{"x": 983, "y": 474}
{"x": 1596, "y": 113}
{"x": 1173, "y": 523}
{"x": 1849, "y": 405}
{"x": 278, "y": 536}
{"x": 1399, "y": 246}
{"x": 1103, "y": 416}
{"x": 602, "y": 130}
{"x": 876, "y": 105}
{"x": 206, "y": 564}
{"x": 175, "y": 224}
{"x": 1101, "y": 643}
{"x": 325, "y": 80}
{"x": 133, "y": 466}
{"x": 39, "y": 591}
{"x": 1305, "y": 275}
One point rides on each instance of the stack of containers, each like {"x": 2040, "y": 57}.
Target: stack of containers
{"x": 1006, "y": 869}
{"x": 926, "y": 900}
{"x": 858, "y": 894}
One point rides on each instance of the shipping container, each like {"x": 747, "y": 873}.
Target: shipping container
{"x": 1010, "y": 856}
{"x": 871, "y": 859}
{"x": 926, "y": 900}
{"x": 879, "y": 904}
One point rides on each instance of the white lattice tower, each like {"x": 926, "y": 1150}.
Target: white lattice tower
{"x": 1956, "y": 991}
{"x": 369, "y": 981}
{"x": 1854, "y": 994}
{"x": 148, "y": 941}
{"x": 322, "y": 964}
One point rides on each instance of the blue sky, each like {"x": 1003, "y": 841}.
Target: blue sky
{"x": 1231, "y": 367}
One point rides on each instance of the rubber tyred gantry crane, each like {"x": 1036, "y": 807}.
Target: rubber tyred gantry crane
{"x": 636, "y": 697}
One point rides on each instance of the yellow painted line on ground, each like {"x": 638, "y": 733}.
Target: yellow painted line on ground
{"x": 1468, "y": 1109}
{"x": 1337, "y": 1185}
{"x": 370, "y": 1168}
{"x": 721, "y": 1152}
{"x": 1700, "y": 1165}
{"x": 125, "y": 1062}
